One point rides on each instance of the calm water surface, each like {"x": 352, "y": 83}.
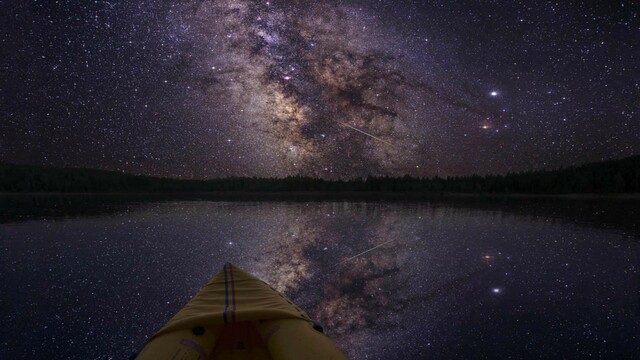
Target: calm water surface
{"x": 93, "y": 278}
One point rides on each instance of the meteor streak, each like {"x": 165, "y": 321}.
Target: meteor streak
{"x": 366, "y": 251}
{"x": 366, "y": 133}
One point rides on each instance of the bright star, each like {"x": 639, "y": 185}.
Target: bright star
{"x": 496, "y": 290}
{"x": 494, "y": 93}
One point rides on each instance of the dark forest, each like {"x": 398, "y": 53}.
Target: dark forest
{"x": 617, "y": 176}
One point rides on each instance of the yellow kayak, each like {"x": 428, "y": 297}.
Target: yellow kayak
{"x": 237, "y": 316}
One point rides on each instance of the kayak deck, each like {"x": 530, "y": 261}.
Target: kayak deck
{"x": 237, "y": 316}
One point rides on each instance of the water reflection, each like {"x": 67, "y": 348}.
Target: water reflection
{"x": 388, "y": 280}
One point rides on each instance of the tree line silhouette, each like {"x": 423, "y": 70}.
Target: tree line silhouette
{"x": 616, "y": 176}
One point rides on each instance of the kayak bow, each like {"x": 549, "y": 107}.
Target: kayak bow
{"x": 237, "y": 316}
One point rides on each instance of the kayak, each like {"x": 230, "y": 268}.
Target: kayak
{"x": 238, "y": 316}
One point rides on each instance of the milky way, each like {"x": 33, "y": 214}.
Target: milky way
{"x": 329, "y": 89}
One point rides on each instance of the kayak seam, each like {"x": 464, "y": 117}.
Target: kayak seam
{"x": 226, "y": 294}
{"x": 233, "y": 295}
{"x": 195, "y": 346}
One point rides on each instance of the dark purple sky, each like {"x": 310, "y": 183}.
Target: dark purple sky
{"x": 320, "y": 88}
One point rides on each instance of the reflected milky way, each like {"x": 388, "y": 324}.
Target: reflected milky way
{"x": 448, "y": 281}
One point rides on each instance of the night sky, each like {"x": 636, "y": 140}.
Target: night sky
{"x": 320, "y": 88}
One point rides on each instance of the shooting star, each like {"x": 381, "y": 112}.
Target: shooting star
{"x": 366, "y": 133}
{"x": 366, "y": 251}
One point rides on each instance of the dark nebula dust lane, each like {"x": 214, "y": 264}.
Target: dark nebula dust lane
{"x": 328, "y": 89}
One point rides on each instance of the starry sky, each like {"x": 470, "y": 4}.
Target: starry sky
{"x": 334, "y": 89}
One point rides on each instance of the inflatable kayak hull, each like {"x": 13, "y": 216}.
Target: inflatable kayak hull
{"x": 237, "y": 316}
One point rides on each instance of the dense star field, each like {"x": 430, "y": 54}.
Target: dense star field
{"x": 319, "y": 88}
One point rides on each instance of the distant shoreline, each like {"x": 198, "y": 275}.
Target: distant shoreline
{"x": 615, "y": 178}
{"x": 334, "y": 195}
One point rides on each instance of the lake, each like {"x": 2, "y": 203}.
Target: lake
{"x": 500, "y": 278}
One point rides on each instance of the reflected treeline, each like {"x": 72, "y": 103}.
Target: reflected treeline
{"x": 19, "y": 208}
{"x": 617, "y": 213}
{"x": 617, "y": 176}
{"x": 614, "y": 213}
